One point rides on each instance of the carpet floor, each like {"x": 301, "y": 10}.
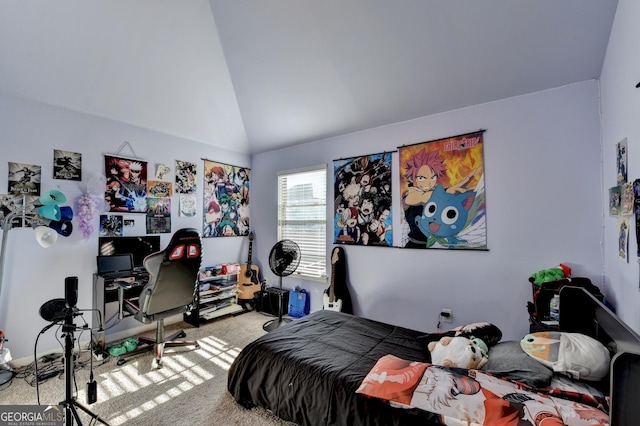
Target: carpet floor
{"x": 189, "y": 389}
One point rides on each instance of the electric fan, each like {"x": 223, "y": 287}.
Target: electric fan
{"x": 283, "y": 261}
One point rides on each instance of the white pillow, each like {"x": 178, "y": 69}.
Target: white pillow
{"x": 573, "y": 354}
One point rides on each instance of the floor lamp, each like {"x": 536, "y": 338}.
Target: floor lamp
{"x": 48, "y": 219}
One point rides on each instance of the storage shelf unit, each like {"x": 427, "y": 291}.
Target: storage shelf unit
{"x": 217, "y": 296}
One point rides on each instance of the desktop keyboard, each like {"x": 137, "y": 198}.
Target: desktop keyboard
{"x": 113, "y": 275}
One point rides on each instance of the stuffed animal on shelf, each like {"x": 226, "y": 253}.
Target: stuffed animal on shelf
{"x": 460, "y": 352}
{"x": 551, "y": 274}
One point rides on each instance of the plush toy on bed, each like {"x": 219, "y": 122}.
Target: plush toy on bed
{"x": 458, "y": 351}
{"x": 572, "y": 354}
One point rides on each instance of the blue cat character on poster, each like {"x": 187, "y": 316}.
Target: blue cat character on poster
{"x": 443, "y": 198}
{"x": 362, "y": 205}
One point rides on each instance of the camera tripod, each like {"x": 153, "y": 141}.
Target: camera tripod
{"x": 70, "y": 404}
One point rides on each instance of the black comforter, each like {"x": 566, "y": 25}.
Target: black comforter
{"x": 308, "y": 371}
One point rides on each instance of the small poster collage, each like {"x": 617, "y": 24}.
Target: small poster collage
{"x": 623, "y": 200}
{"x": 131, "y": 189}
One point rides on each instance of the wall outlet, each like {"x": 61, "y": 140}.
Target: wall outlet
{"x": 446, "y": 315}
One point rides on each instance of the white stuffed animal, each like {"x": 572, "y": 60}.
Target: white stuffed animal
{"x": 458, "y": 352}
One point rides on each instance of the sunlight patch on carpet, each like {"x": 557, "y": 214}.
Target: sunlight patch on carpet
{"x": 181, "y": 373}
{"x": 220, "y": 352}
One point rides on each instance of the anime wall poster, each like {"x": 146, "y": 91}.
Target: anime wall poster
{"x": 362, "y": 189}
{"x": 159, "y": 189}
{"x": 443, "y": 196}
{"x": 636, "y": 212}
{"x": 621, "y": 161}
{"x": 24, "y": 178}
{"x": 186, "y": 177}
{"x": 126, "y": 184}
{"x": 615, "y": 200}
{"x": 9, "y": 203}
{"x": 12, "y": 203}
{"x": 623, "y": 238}
{"x": 158, "y": 215}
{"x": 111, "y": 225}
{"x": 187, "y": 205}
{"x": 226, "y": 200}
{"x": 67, "y": 165}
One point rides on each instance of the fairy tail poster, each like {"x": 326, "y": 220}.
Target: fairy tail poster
{"x": 226, "y": 200}
{"x": 362, "y": 208}
{"x": 443, "y": 196}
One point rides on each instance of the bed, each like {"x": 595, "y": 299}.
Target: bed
{"x": 308, "y": 372}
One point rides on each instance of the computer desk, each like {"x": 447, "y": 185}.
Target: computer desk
{"x": 105, "y": 304}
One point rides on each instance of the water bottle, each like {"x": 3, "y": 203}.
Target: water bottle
{"x": 554, "y": 308}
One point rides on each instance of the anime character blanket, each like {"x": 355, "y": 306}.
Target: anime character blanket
{"x": 471, "y": 397}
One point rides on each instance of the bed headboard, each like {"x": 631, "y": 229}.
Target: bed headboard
{"x": 581, "y": 312}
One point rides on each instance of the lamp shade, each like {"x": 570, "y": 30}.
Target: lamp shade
{"x": 51, "y": 211}
{"x": 66, "y": 213}
{"x": 62, "y": 227}
{"x": 45, "y": 236}
{"x": 52, "y": 197}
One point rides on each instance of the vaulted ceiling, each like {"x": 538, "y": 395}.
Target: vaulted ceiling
{"x": 256, "y": 75}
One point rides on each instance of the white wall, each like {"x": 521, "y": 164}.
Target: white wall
{"x": 544, "y": 206}
{"x": 29, "y": 132}
{"x": 544, "y": 200}
{"x": 620, "y": 108}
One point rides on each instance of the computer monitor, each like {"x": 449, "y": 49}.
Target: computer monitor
{"x": 140, "y": 247}
{"x": 115, "y": 264}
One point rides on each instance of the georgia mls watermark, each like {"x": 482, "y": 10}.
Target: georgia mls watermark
{"x": 31, "y": 415}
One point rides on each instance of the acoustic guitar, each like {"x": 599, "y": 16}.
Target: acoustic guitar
{"x": 329, "y": 301}
{"x": 248, "y": 283}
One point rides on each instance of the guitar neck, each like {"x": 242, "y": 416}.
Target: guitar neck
{"x": 331, "y": 291}
{"x": 248, "y": 272}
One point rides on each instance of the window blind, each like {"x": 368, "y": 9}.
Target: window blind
{"x": 302, "y": 216}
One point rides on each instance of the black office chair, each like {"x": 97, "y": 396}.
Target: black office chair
{"x": 173, "y": 282}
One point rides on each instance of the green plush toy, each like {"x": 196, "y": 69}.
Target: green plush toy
{"x": 551, "y": 274}
{"x": 481, "y": 345}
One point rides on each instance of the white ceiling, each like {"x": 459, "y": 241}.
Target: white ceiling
{"x": 255, "y": 75}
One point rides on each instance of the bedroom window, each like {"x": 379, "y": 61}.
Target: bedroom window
{"x": 302, "y": 216}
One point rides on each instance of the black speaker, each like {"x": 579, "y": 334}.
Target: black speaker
{"x": 267, "y": 301}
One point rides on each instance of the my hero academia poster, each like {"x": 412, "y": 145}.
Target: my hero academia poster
{"x": 362, "y": 189}
{"x": 226, "y": 200}
{"x": 443, "y": 196}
